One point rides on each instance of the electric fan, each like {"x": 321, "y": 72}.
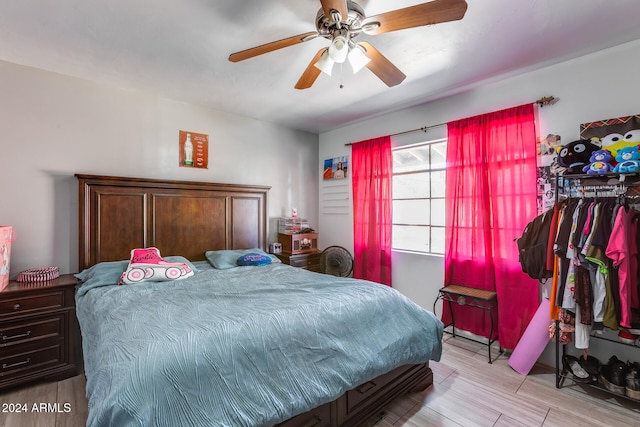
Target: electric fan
{"x": 337, "y": 261}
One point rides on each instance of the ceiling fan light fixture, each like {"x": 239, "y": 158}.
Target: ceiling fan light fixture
{"x": 339, "y": 49}
{"x": 325, "y": 63}
{"x": 358, "y": 59}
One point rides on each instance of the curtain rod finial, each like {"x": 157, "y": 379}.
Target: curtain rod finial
{"x": 547, "y": 100}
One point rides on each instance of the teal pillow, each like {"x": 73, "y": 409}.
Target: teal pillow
{"x": 103, "y": 273}
{"x": 108, "y": 273}
{"x": 224, "y": 259}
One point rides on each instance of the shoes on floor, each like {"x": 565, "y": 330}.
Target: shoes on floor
{"x": 571, "y": 364}
{"x": 591, "y": 365}
{"x": 633, "y": 380}
{"x": 613, "y": 375}
{"x": 627, "y": 337}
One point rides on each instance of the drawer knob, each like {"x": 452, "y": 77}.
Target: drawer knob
{"x": 16, "y": 307}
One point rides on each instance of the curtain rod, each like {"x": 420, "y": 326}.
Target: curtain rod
{"x": 547, "y": 100}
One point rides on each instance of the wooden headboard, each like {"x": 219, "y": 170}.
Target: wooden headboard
{"x": 178, "y": 217}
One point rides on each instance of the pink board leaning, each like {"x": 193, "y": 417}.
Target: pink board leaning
{"x": 533, "y": 342}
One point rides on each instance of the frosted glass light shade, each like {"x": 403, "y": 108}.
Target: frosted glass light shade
{"x": 358, "y": 59}
{"x": 325, "y": 63}
{"x": 339, "y": 49}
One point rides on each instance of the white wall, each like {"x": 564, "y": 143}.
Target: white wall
{"x": 598, "y": 86}
{"x": 53, "y": 126}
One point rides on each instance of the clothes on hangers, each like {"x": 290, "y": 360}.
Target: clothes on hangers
{"x": 623, "y": 251}
{"x": 594, "y": 255}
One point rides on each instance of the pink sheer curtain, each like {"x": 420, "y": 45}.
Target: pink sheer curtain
{"x": 372, "y": 209}
{"x": 490, "y": 197}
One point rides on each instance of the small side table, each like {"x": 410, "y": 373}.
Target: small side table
{"x": 39, "y": 337}
{"x": 471, "y": 297}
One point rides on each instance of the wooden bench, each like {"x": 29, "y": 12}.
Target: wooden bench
{"x": 471, "y": 297}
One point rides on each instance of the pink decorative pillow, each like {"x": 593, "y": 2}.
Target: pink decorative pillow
{"x": 146, "y": 265}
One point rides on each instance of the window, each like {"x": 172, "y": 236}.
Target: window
{"x": 419, "y": 197}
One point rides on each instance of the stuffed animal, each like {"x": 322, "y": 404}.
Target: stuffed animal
{"x": 600, "y": 163}
{"x": 575, "y": 155}
{"x": 628, "y": 160}
{"x": 614, "y": 142}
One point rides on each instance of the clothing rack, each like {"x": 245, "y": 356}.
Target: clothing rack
{"x": 589, "y": 186}
{"x": 604, "y": 191}
{"x": 626, "y": 189}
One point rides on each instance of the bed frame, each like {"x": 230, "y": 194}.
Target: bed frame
{"x": 184, "y": 218}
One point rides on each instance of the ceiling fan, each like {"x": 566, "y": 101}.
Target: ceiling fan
{"x": 341, "y": 21}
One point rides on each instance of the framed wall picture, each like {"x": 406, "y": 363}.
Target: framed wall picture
{"x": 336, "y": 168}
{"x": 194, "y": 150}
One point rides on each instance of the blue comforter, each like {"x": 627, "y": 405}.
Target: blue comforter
{"x": 248, "y": 346}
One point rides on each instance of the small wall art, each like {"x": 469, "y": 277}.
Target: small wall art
{"x": 194, "y": 150}
{"x": 336, "y": 168}
{"x": 548, "y": 168}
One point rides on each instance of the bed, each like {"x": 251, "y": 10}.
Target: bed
{"x": 255, "y": 345}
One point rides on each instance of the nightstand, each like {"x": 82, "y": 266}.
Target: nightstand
{"x": 38, "y": 331}
{"x": 309, "y": 261}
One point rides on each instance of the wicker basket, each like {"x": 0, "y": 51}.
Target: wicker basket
{"x": 39, "y": 274}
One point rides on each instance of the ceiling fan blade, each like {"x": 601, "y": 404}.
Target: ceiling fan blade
{"x": 270, "y": 47}
{"x": 310, "y": 75}
{"x": 339, "y": 5}
{"x": 430, "y": 13}
{"x": 382, "y": 67}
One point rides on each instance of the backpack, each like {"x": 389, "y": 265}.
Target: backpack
{"x": 532, "y": 246}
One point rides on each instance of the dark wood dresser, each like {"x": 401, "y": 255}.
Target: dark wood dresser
{"x": 309, "y": 261}
{"x": 39, "y": 337}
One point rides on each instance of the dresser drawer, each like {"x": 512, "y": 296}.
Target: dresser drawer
{"x": 307, "y": 261}
{"x": 317, "y": 417}
{"x": 39, "y": 302}
{"x": 361, "y": 395}
{"x": 38, "y": 331}
{"x": 310, "y": 261}
{"x": 31, "y": 359}
{"x": 32, "y": 329}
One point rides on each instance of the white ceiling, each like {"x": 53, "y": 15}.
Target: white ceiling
{"x": 179, "y": 49}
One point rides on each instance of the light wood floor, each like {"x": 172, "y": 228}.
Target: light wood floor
{"x": 467, "y": 391}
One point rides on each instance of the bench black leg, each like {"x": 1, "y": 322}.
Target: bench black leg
{"x": 490, "y": 334}
{"x": 453, "y": 323}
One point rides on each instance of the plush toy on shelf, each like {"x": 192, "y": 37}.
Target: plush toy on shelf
{"x": 600, "y": 163}
{"x": 624, "y": 136}
{"x": 575, "y": 155}
{"x": 628, "y": 160}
